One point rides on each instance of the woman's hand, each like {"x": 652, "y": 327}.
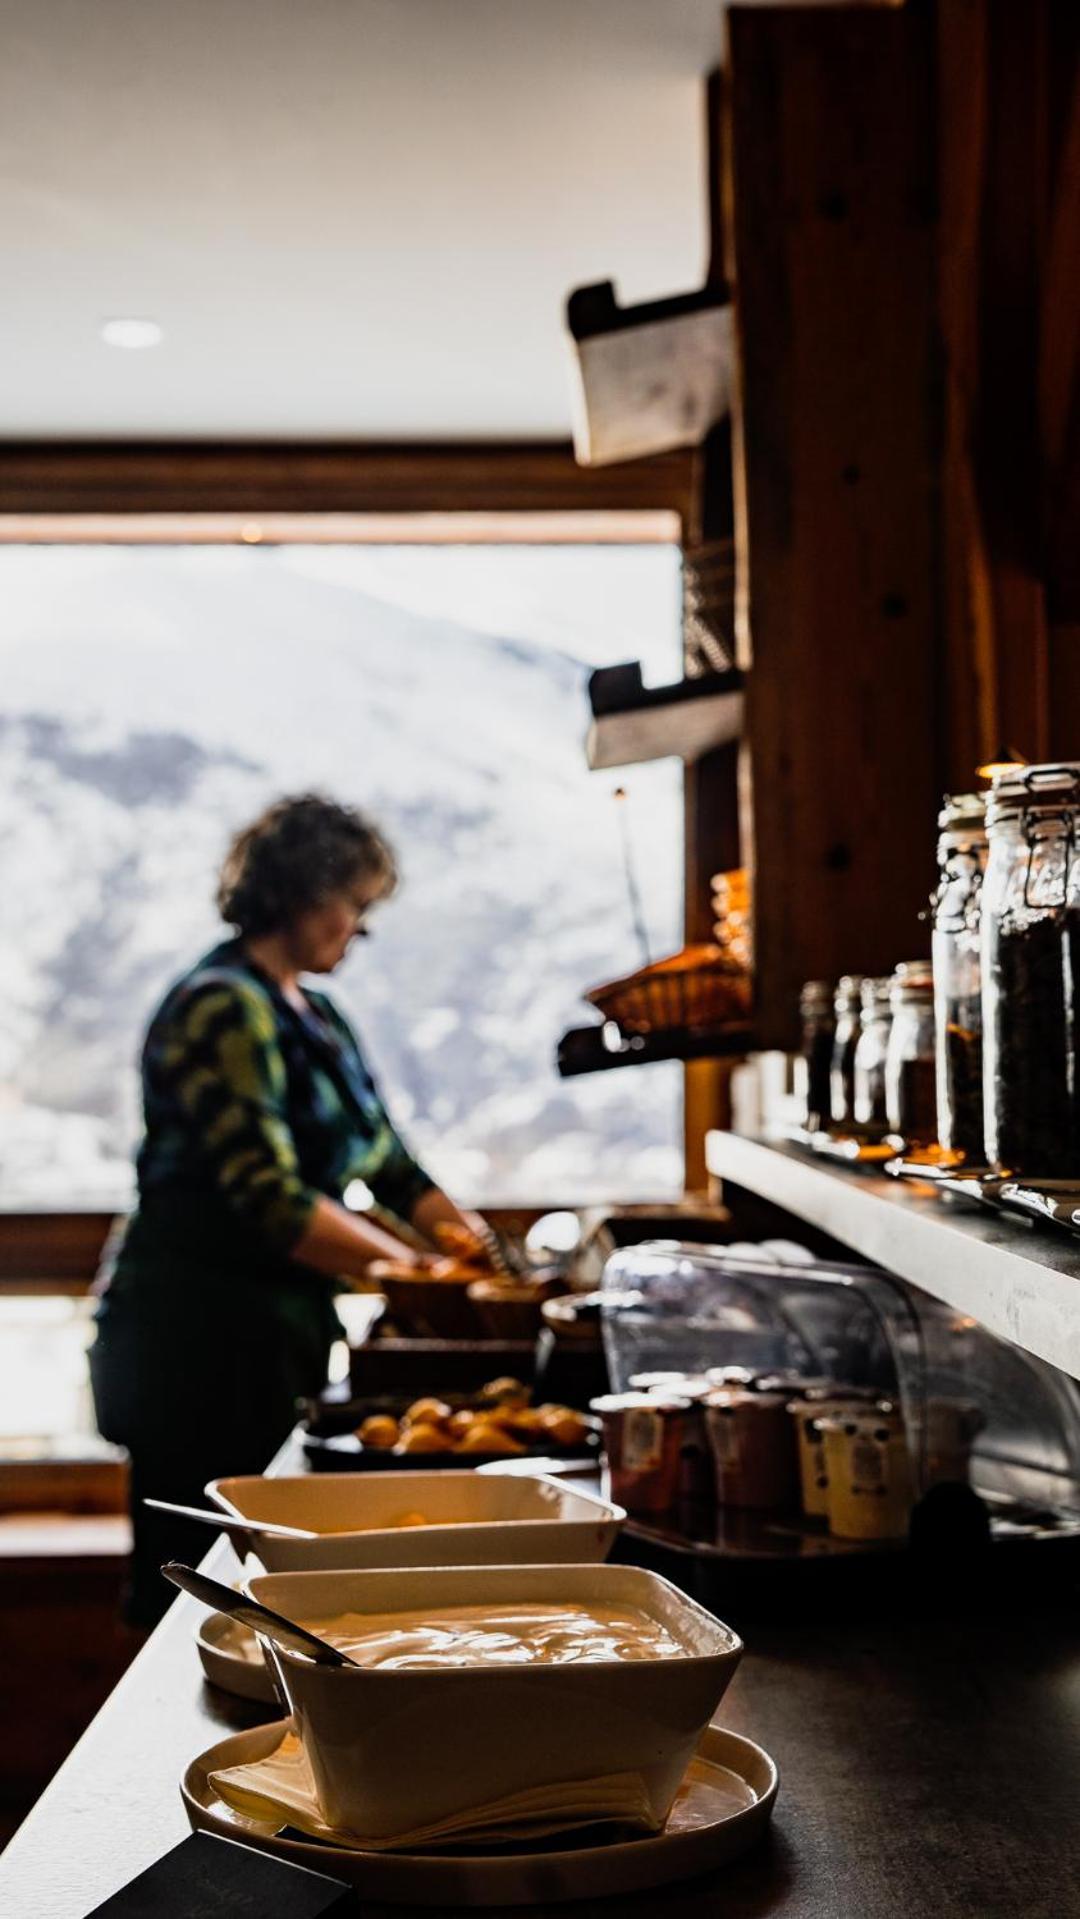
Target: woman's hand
{"x": 344, "y": 1244}
{"x": 463, "y": 1235}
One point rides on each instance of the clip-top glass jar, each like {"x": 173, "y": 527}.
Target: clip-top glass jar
{"x": 818, "y": 1029}
{"x": 871, "y": 1109}
{"x": 1031, "y": 972}
{"x": 962, "y": 852}
{"x": 910, "y": 1092}
{"x": 848, "y": 1026}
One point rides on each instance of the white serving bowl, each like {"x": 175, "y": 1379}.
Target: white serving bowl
{"x": 474, "y": 1519}
{"x": 396, "y": 1749}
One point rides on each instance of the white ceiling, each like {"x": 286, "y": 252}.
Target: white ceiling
{"x": 350, "y": 217}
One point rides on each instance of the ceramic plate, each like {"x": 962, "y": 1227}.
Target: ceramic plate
{"x": 724, "y": 1804}
{"x": 232, "y": 1660}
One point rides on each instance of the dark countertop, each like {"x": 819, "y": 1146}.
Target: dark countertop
{"x": 929, "y": 1766}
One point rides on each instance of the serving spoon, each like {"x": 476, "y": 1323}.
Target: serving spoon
{"x": 230, "y": 1522}
{"x": 258, "y": 1618}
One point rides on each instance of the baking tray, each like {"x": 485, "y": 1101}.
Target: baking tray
{"x": 330, "y": 1445}
{"x": 780, "y": 1567}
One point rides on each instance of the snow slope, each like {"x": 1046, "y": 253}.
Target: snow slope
{"x": 155, "y": 698}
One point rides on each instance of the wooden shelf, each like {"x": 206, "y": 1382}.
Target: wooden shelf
{"x": 632, "y": 723}
{"x": 584, "y": 1049}
{"x": 1020, "y": 1281}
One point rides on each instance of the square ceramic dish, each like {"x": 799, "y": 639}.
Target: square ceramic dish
{"x": 470, "y": 1519}
{"x": 395, "y": 1749}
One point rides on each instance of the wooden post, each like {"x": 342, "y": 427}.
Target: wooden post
{"x": 832, "y": 194}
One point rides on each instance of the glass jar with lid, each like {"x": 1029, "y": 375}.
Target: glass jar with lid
{"x": 962, "y": 855}
{"x": 818, "y": 1031}
{"x": 910, "y": 1065}
{"x": 848, "y": 1025}
{"x": 871, "y": 1109}
{"x": 1031, "y": 972}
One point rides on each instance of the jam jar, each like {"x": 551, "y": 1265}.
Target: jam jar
{"x": 910, "y": 1064}
{"x": 962, "y": 856}
{"x": 646, "y": 1439}
{"x": 848, "y": 1009}
{"x": 871, "y": 1110}
{"x": 1030, "y": 950}
{"x": 818, "y": 1034}
{"x": 754, "y": 1450}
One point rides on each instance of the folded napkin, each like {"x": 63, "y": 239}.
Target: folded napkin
{"x": 280, "y": 1786}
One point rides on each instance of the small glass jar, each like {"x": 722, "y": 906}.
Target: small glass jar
{"x": 1031, "y": 973}
{"x": 910, "y": 1064}
{"x": 962, "y": 854}
{"x": 870, "y": 1054}
{"x": 848, "y": 1007}
{"x": 818, "y": 1032}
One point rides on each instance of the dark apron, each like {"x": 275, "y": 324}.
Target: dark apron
{"x": 201, "y": 1354}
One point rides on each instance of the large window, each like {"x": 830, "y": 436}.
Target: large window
{"x": 156, "y": 696}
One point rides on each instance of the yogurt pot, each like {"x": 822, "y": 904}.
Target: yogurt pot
{"x": 753, "y": 1447}
{"x": 870, "y": 1491}
{"x": 646, "y": 1436}
{"x": 806, "y": 1414}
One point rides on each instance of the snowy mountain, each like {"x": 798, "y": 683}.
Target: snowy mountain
{"x": 154, "y": 699}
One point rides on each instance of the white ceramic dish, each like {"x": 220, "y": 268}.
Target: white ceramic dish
{"x": 232, "y": 1659}
{"x": 472, "y": 1520}
{"x": 396, "y": 1749}
{"x": 723, "y": 1806}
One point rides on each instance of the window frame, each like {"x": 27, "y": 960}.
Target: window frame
{"x": 128, "y": 492}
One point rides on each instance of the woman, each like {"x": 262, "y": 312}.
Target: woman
{"x": 217, "y": 1306}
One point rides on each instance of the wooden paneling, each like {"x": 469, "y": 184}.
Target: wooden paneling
{"x": 50, "y": 1252}
{"x": 65, "y": 1648}
{"x": 1060, "y": 355}
{"x": 37, "y": 477}
{"x": 833, "y": 193}
{"x": 992, "y": 102}
{"x": 1008, "y": 82}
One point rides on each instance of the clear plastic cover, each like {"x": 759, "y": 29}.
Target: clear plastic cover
{"x": 968, "y": 1398}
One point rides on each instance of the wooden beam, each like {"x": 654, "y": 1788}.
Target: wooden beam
{"x": 43, "y": 478}
{"x": 833, "y": 194}
{"x": 1059, "y": 381}
{"x": 974, "y": 717}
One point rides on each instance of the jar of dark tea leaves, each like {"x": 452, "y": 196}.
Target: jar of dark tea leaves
{"x": 848, "y": 1027}
{"x": 962, "y": 853}
{"x": 871, "y": 1109}
{"x": 910, "y": 1092}
{"x": 1031, "y": 972}
{"x": 818, "y": 1030}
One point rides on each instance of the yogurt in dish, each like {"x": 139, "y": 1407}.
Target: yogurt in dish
{"x": 525, "y": 1634}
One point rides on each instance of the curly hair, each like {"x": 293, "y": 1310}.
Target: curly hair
{"x": 298, "y": 854}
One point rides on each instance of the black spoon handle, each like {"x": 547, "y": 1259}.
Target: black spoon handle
{"x": 284, "y": 1632}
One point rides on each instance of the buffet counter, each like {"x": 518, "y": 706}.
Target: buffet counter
{"x": 927, "y": 1765}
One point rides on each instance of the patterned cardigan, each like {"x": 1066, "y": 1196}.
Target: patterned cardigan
{"x": 251, "y": 1102}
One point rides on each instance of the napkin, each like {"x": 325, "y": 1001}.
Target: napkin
{"x": 280, "y": 1785}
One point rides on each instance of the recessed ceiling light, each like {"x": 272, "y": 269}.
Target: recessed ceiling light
{"x": 132, "y": 334}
